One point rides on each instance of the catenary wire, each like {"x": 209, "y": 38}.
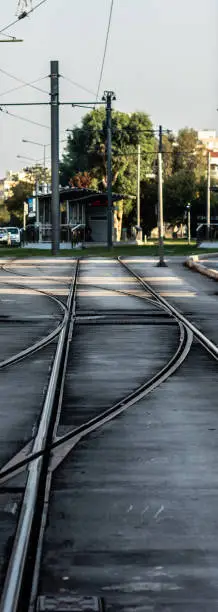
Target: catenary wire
{"x": 77, "y": 84}
{"x": 105, "y": 49}
{"x": 22, "y": 16}
{"x": 24, "y": 83}
{"x": 3, "y": 110}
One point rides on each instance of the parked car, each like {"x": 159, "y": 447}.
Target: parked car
{"x": 14, "y": 236}
{"x": 4, "y": 236}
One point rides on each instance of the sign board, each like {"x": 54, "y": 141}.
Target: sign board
{"x": 30, "y": 205}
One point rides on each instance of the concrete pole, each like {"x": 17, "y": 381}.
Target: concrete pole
{"x": 138, "y": 187}
{"x": 55, "y": 202}
{"x": 108, "y": 96}
{"x": 208, "y": 195}
{"x": 161, "y": 262}
{"x": 189, "y": 226}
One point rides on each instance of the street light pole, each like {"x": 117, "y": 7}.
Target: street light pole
{"x": 161, "y": 262}
{"x": 39, "y": 144}
{"x": 208, "y": 195}
{"x": 138, "y": 187}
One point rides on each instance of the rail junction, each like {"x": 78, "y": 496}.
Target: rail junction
{"x": 108, "y": 481}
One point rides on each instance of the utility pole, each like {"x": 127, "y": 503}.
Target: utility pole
{"x": 108, "y": 97}
{"x": 138, "y": 187}
{"x": 161, "y": 262}
{"x": 208, "y": 195}
{"x": 188, "y": 208}
{"x": 25, "y": 213}
{"x": 55, "y": 202}
{"x": 44, "y": 155}
{"x": 54, "y": 104}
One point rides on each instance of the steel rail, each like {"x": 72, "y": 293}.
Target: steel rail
{"x": 77, "y": 434}
{"x": 30, "y": 350}
{"x": 182, "y": 349}
{"x": 208, "y": 344}
{"x": 41, "y": 291}
{"x": 15, "y": 573}
{"x": 16, "y": 569}
{"x": 11, "y": 470}
{"x": 46, "y": 339}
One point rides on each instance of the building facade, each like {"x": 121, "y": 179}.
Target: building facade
{"x": 210, "y": 142}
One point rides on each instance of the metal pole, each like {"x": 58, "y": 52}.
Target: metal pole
{"x": 161, "y": 262}
{"x": 109, "y": 96}
{"x": 55, "y": 202}
{"x": 138, "y": 187}
{"x": 24, "y": 215}
{"x": 44, "y": 149}
{"x": 189, "y": 226}
{"x": 208, "y": 195}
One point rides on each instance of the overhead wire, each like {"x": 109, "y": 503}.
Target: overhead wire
{"x": 77, "y": 84}
{"x": 8, "y": 36}
{"x": 24, "y": 83}
{"x": 105, "y": 49}
{"x": 4, "y": 110}
{"x": 22, "y": 16}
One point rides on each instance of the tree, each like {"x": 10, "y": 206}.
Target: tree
{"x": 81, "y": 180}
{"x": 4, "y": 215}
{"x": 37, "y": 174}
{"x": 168, "y": 152}
{"x": 14, "y": 204}
{"x": 189, "y": 153}
{"x": 149, "y": 197}
{"x": 179, "y": 189}
{"x": 86, "y": 153}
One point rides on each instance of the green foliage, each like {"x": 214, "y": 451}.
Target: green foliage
{"x": 184, "y": 165}
{"x": 189, "y": 153}
{"x": 14, "y": 205}
{"x": 168, "y": 155}
{"x": 38, "y": 174}
{"x": 86, "y": 151}
{"x": 4, "y": 215}
{"x": 179, "y": 189}
{"x": 148, "y": 206}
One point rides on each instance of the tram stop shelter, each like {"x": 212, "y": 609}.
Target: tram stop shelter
{"x": 85, "y": 208}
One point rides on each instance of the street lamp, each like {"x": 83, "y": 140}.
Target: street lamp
{"x": 39, "y": 144}
{"x": 27, "y": 158}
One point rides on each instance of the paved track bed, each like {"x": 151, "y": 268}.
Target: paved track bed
{"x": 133, "y": 510}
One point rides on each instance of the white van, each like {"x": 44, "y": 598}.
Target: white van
{"x": 14, "y": 236}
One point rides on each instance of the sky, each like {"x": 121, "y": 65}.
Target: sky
{"x": 161, "y": 59}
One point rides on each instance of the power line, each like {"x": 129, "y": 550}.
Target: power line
{"x": 8, "y": 36}
{"x": 3, "y": 110}
{"x": 105, "y": 50}
{"x": 22, "y": 16}
{"x": 24, "y": 83}
{"x": 77, "y": 84}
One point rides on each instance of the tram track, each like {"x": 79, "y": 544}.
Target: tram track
{"x": 48, "y": 338}
{"x": 46, "y": 442}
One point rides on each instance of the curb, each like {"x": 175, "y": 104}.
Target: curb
{"x": 193, "y": 262}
